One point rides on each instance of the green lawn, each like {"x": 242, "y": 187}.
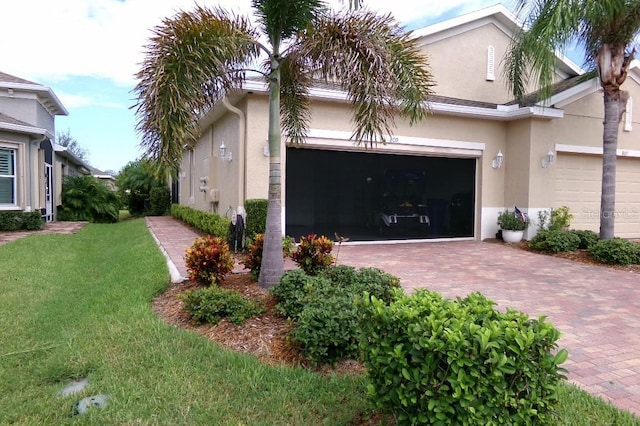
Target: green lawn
{"x": 78, "y": 306}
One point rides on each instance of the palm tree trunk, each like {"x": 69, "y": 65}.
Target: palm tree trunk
{"x": 272, "y": 267}
{"x": 614, "y": 106}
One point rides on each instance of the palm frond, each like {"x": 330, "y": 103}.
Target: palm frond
{"x": 192, "y": 60}
{"x": 376, "y": 62}
{"x": 295, "y": 108}
{"x": 282, "y": 19}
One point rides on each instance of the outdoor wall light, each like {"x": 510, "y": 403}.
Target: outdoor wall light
{"x": 497, "y": 162}
{"x": 224, "y": 154}
{"x": 547, "y": 161}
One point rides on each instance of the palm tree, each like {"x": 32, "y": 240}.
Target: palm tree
{"x": 195, "y": 58}
{"x": 606, "y": 30}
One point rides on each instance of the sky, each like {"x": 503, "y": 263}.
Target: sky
{"x": 88, "y": 52}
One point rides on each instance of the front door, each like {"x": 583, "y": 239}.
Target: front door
{"x": 48, "y": 189}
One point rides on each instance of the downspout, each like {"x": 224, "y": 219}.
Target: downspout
{"x": 242, "y": 157}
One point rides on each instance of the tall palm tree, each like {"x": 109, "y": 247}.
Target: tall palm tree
{"x": 195, "y": 58}
{"x": 606, "y": 30}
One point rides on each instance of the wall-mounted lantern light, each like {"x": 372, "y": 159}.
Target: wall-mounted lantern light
{"x": 547, "y": 161}
{"x": 497, "y": 162}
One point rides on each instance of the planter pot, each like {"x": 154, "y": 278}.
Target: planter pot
{"x": 512, "y": 236}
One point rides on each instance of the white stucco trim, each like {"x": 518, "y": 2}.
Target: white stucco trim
{"x": 571, "y": 95}
{"x": 500, "y": 113}
{"x": 594, "y": 150}
{"x": 397, "y": 144}
{"x": 25, "y": 129}
{"x": 489, "y": 222}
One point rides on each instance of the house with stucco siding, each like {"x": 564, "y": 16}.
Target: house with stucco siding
{"x": 477, "y": 153}
{"x": 27, "y": 156}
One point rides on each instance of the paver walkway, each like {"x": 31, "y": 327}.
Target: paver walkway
{"x": 596, "y": 308}
{"x": 49, "y": 228}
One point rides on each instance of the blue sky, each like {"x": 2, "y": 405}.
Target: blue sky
{"x": 88, "y": 51}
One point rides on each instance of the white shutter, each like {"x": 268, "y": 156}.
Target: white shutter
{"x": 491, "y": 63}
{"x": 7, "y": 177}
{"x": 6, "y": 165}
{"x": 628, "y": 116}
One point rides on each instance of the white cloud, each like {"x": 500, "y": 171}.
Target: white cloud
{"x": 46, "y": 39}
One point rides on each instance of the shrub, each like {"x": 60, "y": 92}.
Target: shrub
{"x": 159, "y": 200}
{"x": 86, "y": 198}
{"x": 313, "y": 254}
{"x": 213, "y": 303}
{"x": 587, "y": 238}
{"x": 327, "y": 328}
{"x": 292, "y": 292}
{"x": 556, "y": 241}
{"x": 374, "y": 281}
{"x": 322, "y": 308}
{"x": 32, "y": 221}
{"x": 437, "y": 361}
{"x": 15, "y": 221}
{"x": 560, "y": 219}
{"x": 253, "y": 258}
{"x": 208, "y": 260}
{"x": 256, "y": 217}
{"x": 616, "y": 251}
{"x": 206, "y": 222}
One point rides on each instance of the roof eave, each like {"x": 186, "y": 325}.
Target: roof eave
{"x": 50, "y": 100}
{"x": 33, "y": 131}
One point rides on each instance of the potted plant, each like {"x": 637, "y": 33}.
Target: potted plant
{"x": 513, "y": 224}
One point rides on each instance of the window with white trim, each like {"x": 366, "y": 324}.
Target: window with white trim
{"x": 7, "y": 176}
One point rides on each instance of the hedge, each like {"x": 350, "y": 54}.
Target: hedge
{"x": 16, "y": 221}
{"x": 256, "y": 217}
{"x": 206, "y": 222}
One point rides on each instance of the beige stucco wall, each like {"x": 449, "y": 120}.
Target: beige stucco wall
{"x": 459, "y": 64}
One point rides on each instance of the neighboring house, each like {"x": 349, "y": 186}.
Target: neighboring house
{"x": 27, "y": 129}
{"x": 550, "y": 153}
{"x": 105, "y": 178}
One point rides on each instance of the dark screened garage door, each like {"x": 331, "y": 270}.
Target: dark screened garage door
{"x": 367, "y": 196}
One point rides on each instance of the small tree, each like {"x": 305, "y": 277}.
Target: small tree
{"x": 65, "y": 139}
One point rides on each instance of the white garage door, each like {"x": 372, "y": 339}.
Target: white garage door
{"x": 578, "y": 186}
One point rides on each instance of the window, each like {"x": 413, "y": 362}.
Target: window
{"x": 7, "y": 176}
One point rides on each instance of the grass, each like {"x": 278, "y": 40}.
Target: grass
{"x": 78, "y": 306}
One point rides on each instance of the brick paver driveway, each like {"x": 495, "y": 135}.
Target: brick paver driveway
{"x": 596, "y": 308}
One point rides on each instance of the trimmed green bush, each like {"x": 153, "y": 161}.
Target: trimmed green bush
{"x": 323, "y": 311}
{"x": 15, "y": 221}
{"x": 214, "y": 303}
{"x": 256, "y": 217}
{"x": 587, "y": 238}
{"x": 431, "y": 360}
{"x": 556, "y": 241}
{"x": 206, "y": 222}
{"x": 159, "y": 200}
{"x": 616, "y": 251}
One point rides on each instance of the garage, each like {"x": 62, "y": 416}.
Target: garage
{"x": 578, "y": 186}
{"x": 368, "y": 196}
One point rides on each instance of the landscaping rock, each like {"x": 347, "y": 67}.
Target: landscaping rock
{"x": 85, "y": 404}
{"x": 74, "y": 387}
